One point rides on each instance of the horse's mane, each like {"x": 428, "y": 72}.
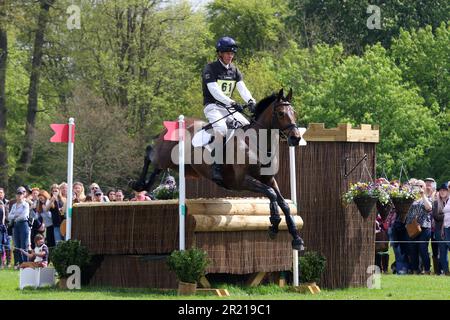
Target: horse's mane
{"x": 264, "y": 104}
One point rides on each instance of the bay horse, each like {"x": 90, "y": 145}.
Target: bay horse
{"x": 273, "y": 112}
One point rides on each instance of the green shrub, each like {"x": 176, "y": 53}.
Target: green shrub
{"x": 188, "y": 265}
{"x": 164, "y": 193}
{"x": 311, "y": 265}
{"x": 68, "y": 253}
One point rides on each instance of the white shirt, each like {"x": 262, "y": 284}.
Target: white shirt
{"x": 446, "y": 212}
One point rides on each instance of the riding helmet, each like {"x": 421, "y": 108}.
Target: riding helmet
{"x": 226, "y": 44}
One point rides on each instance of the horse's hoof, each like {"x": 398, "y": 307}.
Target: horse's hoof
{"x": 273, "y": 232}
{"x": 298, "y": 244}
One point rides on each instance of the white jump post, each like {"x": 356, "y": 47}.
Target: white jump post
{"x": 293, "y": 185}
{"x": 182, "y": 190}
{"x": 70, "y": 145}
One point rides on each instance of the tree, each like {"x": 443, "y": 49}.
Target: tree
{"x": 3, "y": 111}
{"x": 33, "y": 91}
{"x": 256, "y": 25}
{"x": 336, "y": 21}
{"x": 423, "y": 57}
{"x": 370, "y": 90}
{"x": 104, "y": 152}
{"x": 139, "y": 55}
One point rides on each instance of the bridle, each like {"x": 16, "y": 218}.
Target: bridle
{"x": 289, "y": 127}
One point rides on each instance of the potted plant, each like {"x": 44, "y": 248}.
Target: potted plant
{"x": 68, "y": 253}
{"x": 189, "y": 266}
{"x": 365, "y": 196}
{"x": 311, "y": 266}
{"x": 402, "y": 197}
{"x": 384, "y": 203}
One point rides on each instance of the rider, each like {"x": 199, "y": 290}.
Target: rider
{"x": 220, "y": 78}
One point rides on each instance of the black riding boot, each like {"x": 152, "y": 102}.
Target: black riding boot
{"x": 217, "y": 173}
{"x": 217, "y": 176}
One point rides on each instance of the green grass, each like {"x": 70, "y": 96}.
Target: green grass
{"x": 392, "y": 287}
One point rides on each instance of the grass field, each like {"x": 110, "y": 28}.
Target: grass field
{"x": 392, "y": 287}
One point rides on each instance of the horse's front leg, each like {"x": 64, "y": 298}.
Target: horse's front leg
{"x": 255, "y": 185}
{"x": 297, "y": 242}
{"x": 141, "y": 183}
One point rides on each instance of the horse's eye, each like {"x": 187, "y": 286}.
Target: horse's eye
{"x": 280, "y": 114}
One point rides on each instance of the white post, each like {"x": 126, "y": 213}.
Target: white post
{"x": 182, "y": 196}
{"x": 293, "y": 183}
{"x": 70, "y": 145}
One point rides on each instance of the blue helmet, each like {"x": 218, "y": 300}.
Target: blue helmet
{"x": 226, "y": 44}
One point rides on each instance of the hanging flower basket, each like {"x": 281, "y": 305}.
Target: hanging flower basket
{"x": 384, "y": 209}
{"x": 402, "y": 206}
{"x": 365, "y": 205}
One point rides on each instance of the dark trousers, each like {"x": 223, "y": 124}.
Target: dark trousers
{"x": 419, "y": 247}
{"x": 382, "y": 261}
{"x": 50, "y": 236}
{"x": 401, "y": 249}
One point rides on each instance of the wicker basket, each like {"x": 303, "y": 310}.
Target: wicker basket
{"x": 402, "y": 207}
{"x": 384, "y": 209}
{"x": 365, "y": 205}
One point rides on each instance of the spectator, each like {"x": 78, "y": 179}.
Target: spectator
{"x": 37, "y": 221}
{"x": 381, "y": 246}
{"x": 430, "y": 190}
{"x": 78, "y": 192}
{"x": 140, "y": 196}
{"x": 55, "y": 207}
{"x": 420, "y": 209}
{"x": 3, "y": 229}
{"x": 18, "y": 216}
{"x": 430, "y": 187}
{"x": 34, "y": 198}
{"x": 63, "y": 190}
{"x": 441, "y": 208}
{"x": 99, "y": 196}
{"x": 39, "y": 255}
{"x": 94, "y": 187}
{"x": 6, "y": 247}
{"x": 111, "y": 194}
{"x": 119, "y": 195}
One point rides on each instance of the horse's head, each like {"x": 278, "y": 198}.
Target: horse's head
{"x": 276, "y": 112}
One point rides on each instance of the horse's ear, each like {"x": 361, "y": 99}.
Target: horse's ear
{"x": 280, "y": 95}
{"x": 289, "y": 96}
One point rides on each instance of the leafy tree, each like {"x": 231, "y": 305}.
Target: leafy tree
{"x": 256, "y": 25}
{"x": 24, "y": 161}
{"x": 335, "y": 21}
{"x": 369, "y": 89}
{"x": 139, "y": 55}
{"x": 104, "y": 152}
{"x": 3, "y": 114}
{"x": 424, "y": 60}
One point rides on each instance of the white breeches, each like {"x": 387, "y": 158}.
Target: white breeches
{"x": 214, "y": 112}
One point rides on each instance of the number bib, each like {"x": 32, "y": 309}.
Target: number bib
{"x": 227, "y": 86}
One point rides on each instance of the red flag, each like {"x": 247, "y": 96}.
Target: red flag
{"x": 172, "y": 132}
{"x": 62, "y": 133}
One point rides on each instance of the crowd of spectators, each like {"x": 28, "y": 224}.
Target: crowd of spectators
{"x": 412, "y": 256}
{"x": 38, "y": 214}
